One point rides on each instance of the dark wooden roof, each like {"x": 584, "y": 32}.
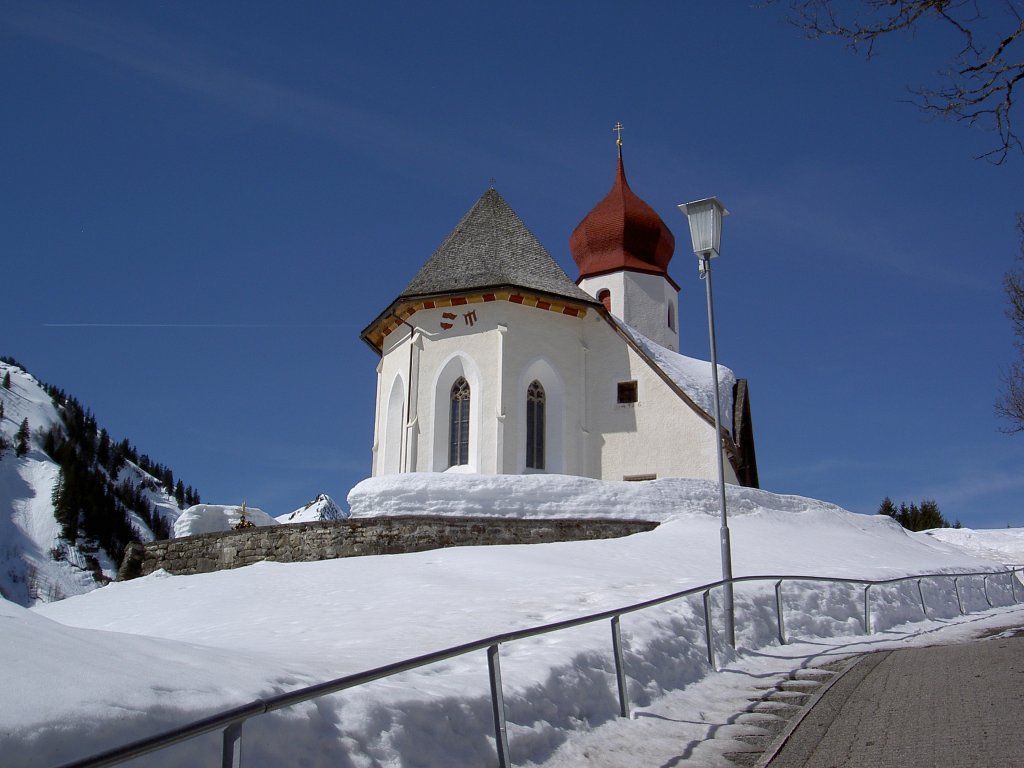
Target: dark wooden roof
{"x": 490, "y": 250}
{"x": 491, "y": 247}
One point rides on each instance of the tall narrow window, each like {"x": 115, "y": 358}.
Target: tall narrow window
{"x": 671, "y": 318}
{"x": 458, "y": 431}
{"x": 535, "y": 426}
{"x": 605, "y": 297}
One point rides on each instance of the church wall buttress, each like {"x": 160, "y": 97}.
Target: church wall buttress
{"x": 500, "y": 452}
{"x": 393, "y": 427}
{"x": 376, "y": 420}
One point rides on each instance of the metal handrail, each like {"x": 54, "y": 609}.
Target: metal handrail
{"x": 231, "y": 720}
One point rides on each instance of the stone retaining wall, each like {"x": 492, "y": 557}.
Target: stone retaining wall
{"x": 305, "y": 542}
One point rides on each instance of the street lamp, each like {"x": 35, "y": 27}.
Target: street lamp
{"x": 705, "y": 217}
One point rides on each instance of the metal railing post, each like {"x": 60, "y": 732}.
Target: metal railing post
{"x": 498, "y": 707}
{"x": 707, "y": 628}
{"x": 231, "y": 756}
{"x": 920, "y": 592}
{"x": 956, "y": 588}
{"x": 867, "y": 611}
{"x": 620, "y": 668}
{"x": 984, "y": 586}
{"x": 778, "y": 612}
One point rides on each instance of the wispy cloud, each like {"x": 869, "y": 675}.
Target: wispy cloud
{"x": 186, "y": 66}
{"x": 972, "y": 488}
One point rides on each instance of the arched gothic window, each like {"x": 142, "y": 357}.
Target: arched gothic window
{"x": 535, "y": 426}
{"x": 605, "y": 297}
{"x": 458, "y": 430}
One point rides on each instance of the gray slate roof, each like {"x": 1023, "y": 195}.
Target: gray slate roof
{"x": 492, "y": 247}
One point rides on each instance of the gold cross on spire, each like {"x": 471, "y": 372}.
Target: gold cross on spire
{"x": 618, "y": 136}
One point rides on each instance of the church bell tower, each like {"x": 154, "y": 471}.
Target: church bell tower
{"x": 622, "y": 248}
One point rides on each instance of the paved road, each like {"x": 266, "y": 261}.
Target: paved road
{"x": 954, "y": 706}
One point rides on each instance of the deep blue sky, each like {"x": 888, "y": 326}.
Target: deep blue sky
{"x": 204, "y": 203}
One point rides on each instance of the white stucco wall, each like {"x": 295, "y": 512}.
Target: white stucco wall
{"x": 658, "y": 435}
{"x": 642, "y": 300}
{"x": 579, "y": 362}
{"x": 507, "y": 347}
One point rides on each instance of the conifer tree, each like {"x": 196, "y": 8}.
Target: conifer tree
{"x": 21, "y": 446}
{"x": 1, "y": 409}
{"x": 914, "y": 517}
{"x": 103, "y": 449}
{"x": 7, "y": 380}
{"x": 887, "y": 508}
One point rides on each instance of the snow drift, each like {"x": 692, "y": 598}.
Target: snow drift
{"x": 214, "y": 518}
{"x": 187, "y": 645}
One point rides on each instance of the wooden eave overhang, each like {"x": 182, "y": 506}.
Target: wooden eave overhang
{"x": 402, "y": 309}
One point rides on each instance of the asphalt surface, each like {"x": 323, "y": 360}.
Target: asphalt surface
{"x": 954, "y": 706}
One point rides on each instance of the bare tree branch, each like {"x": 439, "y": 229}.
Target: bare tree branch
{"x": 1010, "y": 405}
{"x": 981, "y": 77}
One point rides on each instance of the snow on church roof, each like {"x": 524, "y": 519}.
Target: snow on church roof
{"x": 691, "y": 375}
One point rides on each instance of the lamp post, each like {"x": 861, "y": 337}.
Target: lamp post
{"x": 705, "y": 217}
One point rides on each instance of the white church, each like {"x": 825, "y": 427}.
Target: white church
{"x": 493, "y": 361}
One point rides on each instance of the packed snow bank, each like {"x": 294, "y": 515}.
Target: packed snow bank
{"x": 431, "y": 493}
{"x": 75, "y": 674}
{"x": 323, "y": 507}
{"x": 287, "y": 624}
{"x": 214, "y": 518}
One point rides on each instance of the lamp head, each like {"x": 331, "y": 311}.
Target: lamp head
{"x": 705, "y": 217}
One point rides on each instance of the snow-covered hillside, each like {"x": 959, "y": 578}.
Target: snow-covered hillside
{"x": 139, "y": 656}
{"x": 36, "y": 564}
{"x": 1004, "y": 545}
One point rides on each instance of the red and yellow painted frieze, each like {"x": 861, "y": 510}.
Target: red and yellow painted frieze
{"x": 406, "y": 310}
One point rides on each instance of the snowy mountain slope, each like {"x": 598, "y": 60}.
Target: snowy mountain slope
{"x": 36, "y": 563}
{"x": 28, "y": 530}
{"x": 323, "y": 507}
{"x": 315, "y": 621}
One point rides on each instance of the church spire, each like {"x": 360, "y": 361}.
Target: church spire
{"x": 621, "y": 232}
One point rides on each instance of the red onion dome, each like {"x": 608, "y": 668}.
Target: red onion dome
{"x": 621, "y": 232}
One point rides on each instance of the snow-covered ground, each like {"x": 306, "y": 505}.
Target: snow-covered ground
{"x": 1004, "y": 545}
{"x": 134, "y": 658}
